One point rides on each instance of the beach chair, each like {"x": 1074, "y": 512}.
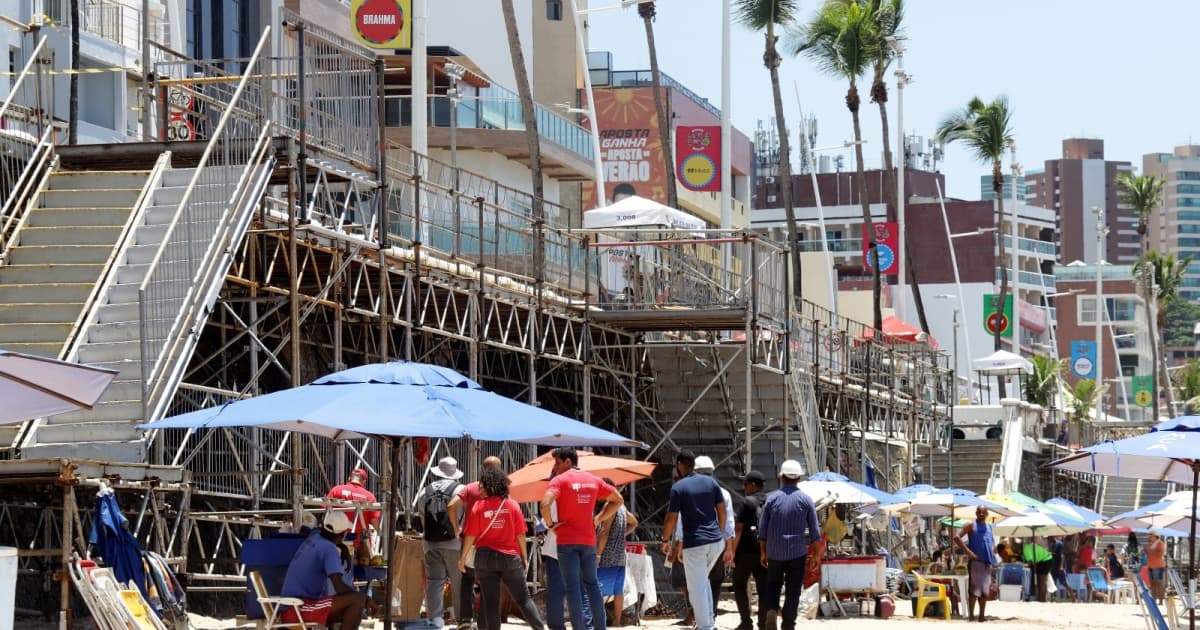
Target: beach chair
{"x": 1153, "y": 614}
{"x": 1098, "y": 578}
{"x": 104, "y": 614}
{"x": 928, "y": 592}
{"x": 125, "y": 600}
{"x": 274, "y": 605}
{"x": 1077, "y": 582}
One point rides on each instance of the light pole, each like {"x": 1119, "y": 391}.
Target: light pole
{"x": 831, "y": 275}
{"x": 455, "y": 73}
{"x": 581, "y": 53}
{"x": 1016, "y": 254}
{"x": 953, "y": 403}
{"x": 1101, "y": 234}
{"x": 902, "y": 79}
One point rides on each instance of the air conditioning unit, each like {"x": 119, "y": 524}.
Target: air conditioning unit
{"x": 770, "y": 198}
{"x": 771, "y": 179}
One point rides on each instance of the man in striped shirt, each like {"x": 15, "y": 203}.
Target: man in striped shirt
{"x": 787, "y": 525}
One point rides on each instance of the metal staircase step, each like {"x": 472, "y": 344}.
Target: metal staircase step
{"x": 113, "y": 313}
{"x": 42, "y": 349}
{"x": 117, "y": 331}
{"x": 73, "y": 217}
{"x": 15, "y": 313}
{"x": 26, "y": 274}
{"x": 80, "y": 180}
{"x": 45, "y": 293}
{"x": 123, "y": 390}
{"x": 100, "y": 430}
{"x": 108, "y": 352}
{"x": 34, "y": 332}
{"x": 91, "y": 198}
{"x": 104, "y": 451}
{"x": 50, "y": 254}
{"x": 121, "y": 410}
{"x": 82, "y": 235}
{"x": 127, "y": 369}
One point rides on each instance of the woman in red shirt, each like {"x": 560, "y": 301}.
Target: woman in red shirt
{"x": 495, "y": 527}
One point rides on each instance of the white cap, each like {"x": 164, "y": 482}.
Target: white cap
{"x": 704, "y": 463}
{"x": 337, "y": 522}
{"x": 791, "y": 469}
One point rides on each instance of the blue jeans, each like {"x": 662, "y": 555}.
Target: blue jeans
{"x": 697, "y": 562}
{"x": 578, "y": 565}
{"x": 555, "y": 591}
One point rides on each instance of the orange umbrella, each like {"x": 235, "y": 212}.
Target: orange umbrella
{"x": 529, "y": 483}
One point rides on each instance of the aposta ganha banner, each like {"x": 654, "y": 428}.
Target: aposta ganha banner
{"x": 630, "y": 151}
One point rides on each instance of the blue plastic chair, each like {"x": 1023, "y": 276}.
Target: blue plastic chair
{"x": 1098, "y": 577}
{"x": 1156, "y": 615}
{"x": 1077, "y": 582}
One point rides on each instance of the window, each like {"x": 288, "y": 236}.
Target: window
{"x": 1189, "y": 242}
{"x": 1188, "y": 228}
{"x": 1188, "y": 215}
{"x": 1188, "y": 175}
{"x": 14, "y": 53}
{"x": 554, "y": 10}
{"x": 1188, "y": 202}
{"x": 1120, "y": 309}
{"x": 1188, "y": 189}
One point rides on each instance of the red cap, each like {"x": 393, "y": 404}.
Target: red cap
{"x": 360, "y": 472}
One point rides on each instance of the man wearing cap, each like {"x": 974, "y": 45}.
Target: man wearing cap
{"x": 746, "y": 563}
{"x": 439, "y": 537}
{"x": 698, "y": 504}
{"x": 786, "y": 527}
{"x": 459, "y": 506}
{"x": 716, "y": 575}
{"x": 353, "y": 490}
{"x": 317, "y": 565}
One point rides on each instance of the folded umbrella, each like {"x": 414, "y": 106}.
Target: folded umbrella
{"x": 35, "y": 387}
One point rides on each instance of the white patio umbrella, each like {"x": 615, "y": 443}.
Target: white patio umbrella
{"x": 35, "y": 387}
{"x": 1037, "y": 522}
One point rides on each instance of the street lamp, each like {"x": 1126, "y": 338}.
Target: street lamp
{"x": 902, "y": 79}
{"x": 976, "y": 232}
{"x": 1101, "y": 234}
{"x": 953, "y": 403}
{"x": 581, "y": 54}
{"x": 455, "y": 73}
{"x": 954, "y": 263}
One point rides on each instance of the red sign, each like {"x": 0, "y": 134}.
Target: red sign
{"x": 381, "y": 23}
{"x": 887, "y": 239}
{"x": 997, "y": 321}
{"x": 698, "y": 157}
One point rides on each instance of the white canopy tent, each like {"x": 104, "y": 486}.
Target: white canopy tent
{"x": 1002, "y": 364}
{"x": 639, "y": 212}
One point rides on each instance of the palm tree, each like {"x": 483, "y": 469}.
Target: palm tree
{"x": 1187, "y": 384}
{"x": 1144, "y": 194}
{"x": 986, "y": 130}
{"x": 73, "y": 94}
{"x": 1165, "y": 273}
{"x": 1083, "y": 402}
{"x": 840, "y": 38}
{"x": 532, "y": 140}
{"x": 646, "y": 10}
{"x": 1042, "y": 384}
{"x": 766, "y": 16}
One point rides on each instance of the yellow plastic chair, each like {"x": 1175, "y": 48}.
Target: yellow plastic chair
{"x": 928, "y": 592}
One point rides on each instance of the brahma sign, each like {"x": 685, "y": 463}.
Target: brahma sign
{"x": 382, "y": 23}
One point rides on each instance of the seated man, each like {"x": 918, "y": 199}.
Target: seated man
{"x": 318, "y": 576}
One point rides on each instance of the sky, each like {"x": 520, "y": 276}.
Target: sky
{"x": 1118, "y": 71}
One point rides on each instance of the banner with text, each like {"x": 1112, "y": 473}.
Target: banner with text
{"x": 1083, "y": 359}
{"x": 630, "y": 152}
{"x": 698, "y": 157}
{"x": 382, "y": 24}
{"x": 1143, "y": 390}
{"x": 887, "y": 243}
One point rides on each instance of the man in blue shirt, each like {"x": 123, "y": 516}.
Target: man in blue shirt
{"x": 786, "y": 527}
{"x": 697, "y": 503}
{"x": 317, "y": 565}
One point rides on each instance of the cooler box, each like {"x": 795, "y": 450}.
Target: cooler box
{"x": 1010, "y": 592}
{"x": 855, "y": 574}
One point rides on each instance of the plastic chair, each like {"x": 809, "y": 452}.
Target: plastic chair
{"x": 928, "y": 592}
{"x": 1077, "y": 582}
{"x": 273, "y": 606}
{"x": 1098, "y": 577}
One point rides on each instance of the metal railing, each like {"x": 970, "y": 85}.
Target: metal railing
{"x": 26, "y": 142}
{"x": 850, "y": 245}
{"x": 200, "y": 237}
{"x": 108, "y": 19}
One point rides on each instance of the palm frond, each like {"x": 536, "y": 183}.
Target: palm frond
{"x": 757, "y": 14}
{"x": 984, "y": 128}
{"x": 840, "y": 38}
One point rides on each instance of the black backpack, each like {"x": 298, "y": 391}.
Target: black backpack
{"x": 435, "y": 517}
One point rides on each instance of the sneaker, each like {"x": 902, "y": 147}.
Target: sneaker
{"x": 771, "y": 620}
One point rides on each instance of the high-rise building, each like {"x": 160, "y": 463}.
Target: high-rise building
{"x": 1075, "y": 184}
{"x": 1176, "y": 228}
{"x": 987, "y": 194}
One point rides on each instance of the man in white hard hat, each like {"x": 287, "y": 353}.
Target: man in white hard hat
{"x": 787, "y": 525}
{"x": 318, "y": 562}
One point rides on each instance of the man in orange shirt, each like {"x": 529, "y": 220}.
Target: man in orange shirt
{"x": 353, "y": 490}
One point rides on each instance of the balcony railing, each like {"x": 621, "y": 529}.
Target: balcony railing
{"x": 107, "y": 19}
{"x": 1044, "y": 248}
{"x": 849, "y": 245}
{"x": 1029, "y": 278}
{"x": 494, "y": 108}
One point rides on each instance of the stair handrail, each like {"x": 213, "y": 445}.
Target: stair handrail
{"x": 163, "y": 317}
{"x": 27, "y": 133}
{"x": 24, "y": 197}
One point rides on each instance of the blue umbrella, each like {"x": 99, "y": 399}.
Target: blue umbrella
{"x": 1169, "y": 452}
{"x": 115, "y": 544}
{"x": 399, "y": 398}
{"x": 1071, "y": 508}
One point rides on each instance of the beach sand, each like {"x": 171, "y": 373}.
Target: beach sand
{"x": 1008, "y": 614}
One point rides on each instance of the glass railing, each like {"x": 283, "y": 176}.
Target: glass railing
{"x": 1087, "y": 272}
{"x": 1029, "y": 278}
{"x": 493, "y": 109}
{"x": 1045, "y": 248}
{"x": 852, "y": 245}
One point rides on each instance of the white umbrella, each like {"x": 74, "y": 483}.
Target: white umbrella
{"x": 1038, "y": 523}
{"x": 954, "y": 502}
{"x": 842, "y": 490}
{"x": 35, "y": 387}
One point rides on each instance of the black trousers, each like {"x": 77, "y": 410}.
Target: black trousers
{"x": 746, "y": 566}
{"x": 716, "y": 576}
{"x": 466, "y": 592}
{"x": 784, "y": 577}
{"x": 492, "y": 568}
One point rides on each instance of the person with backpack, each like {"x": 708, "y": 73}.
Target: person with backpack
{"x": 439, "y": 537}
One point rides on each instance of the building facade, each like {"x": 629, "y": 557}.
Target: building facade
{"x": 1073, "y": 186}
{"x": 1175, "y": 229}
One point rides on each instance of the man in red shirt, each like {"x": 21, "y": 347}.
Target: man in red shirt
{"x": 574, "y": 492}
{"x": 459, "y": 507}
{"x": 353, "y": 490}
